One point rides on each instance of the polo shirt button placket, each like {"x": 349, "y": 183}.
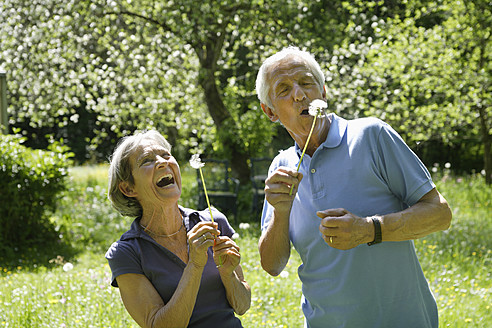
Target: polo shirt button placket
{"x": 313, "y": 171}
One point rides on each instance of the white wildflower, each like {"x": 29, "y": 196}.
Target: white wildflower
{"x": 284, "y": 274}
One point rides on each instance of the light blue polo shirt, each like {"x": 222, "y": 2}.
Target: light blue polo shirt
{"x": 365, "y": 167}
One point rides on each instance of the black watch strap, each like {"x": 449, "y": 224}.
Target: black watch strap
{"x": 377, "y": 230}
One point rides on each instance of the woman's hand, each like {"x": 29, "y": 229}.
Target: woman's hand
{"x": 227, "y": 258}
{"x": 226, "y": 254}
{"x": 200, "y": 238}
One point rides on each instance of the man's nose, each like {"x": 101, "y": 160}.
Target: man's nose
{"x": 299, "y": 94}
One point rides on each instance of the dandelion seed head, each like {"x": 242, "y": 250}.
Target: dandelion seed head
{"x": 244, "y": 225}
{"x": 316, "y": 107}
{"x": 67, "y": 266}
{"x": 196, "y": 162}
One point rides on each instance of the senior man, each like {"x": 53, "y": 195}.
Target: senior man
{"x": 359, "y": 200}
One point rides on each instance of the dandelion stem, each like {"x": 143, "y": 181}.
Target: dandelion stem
{"x": 304, "y": 151}
{"x": 209, "y": 208}
{"x": 206, "y": 194}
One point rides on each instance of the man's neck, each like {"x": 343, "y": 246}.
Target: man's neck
{"x": 318, "y": 136}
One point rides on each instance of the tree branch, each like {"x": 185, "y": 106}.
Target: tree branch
{"x": 164, "y": 26}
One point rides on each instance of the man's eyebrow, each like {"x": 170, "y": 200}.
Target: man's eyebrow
{"x": 307, "y": 74}
{"x": 280, "y": 85}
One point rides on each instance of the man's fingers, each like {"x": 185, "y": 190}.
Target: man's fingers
{"x": 328, "y": 231}
{"x": 281, "y": 178}
{"x": 332, "y": 212}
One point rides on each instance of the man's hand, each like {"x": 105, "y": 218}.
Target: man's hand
{"x": 343, "y": 230}
{"x": 277, "y": 188}
{"x": 274, "y": 244}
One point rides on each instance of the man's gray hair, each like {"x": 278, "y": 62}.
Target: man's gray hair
{"x": 262, "y": 85}
{"x": 120, "y": 170}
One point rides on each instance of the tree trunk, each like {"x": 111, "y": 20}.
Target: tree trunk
{"x": 223, "y": 120}
{"x": 486, "y": 140}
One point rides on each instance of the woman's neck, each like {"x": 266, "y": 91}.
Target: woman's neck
{"x": 162, "y": 220}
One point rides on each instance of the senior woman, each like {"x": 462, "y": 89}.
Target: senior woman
{"x": 167, "y": 265}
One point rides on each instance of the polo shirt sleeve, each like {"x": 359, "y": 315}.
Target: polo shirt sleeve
{"x": 122, "y": 258}
{"x": 405, "y": 174}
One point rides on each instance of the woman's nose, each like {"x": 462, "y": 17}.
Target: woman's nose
{"x": 161, "y": 161}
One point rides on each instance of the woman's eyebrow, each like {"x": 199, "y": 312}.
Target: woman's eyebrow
{"x": 142, "y": 157}
{"x": 161, "y": 150}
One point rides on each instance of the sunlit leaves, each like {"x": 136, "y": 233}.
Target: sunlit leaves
{"x": 417, "y": 78}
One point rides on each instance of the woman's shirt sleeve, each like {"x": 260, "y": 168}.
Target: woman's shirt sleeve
{"x": 123, "y": 258}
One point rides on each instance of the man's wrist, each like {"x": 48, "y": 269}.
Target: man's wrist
{"x": 376, "y": 221}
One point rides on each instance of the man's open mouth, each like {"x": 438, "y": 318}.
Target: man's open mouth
{"x": 305, "y": 112}
{"x": 165, "y": 181}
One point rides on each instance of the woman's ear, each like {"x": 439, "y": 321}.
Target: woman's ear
{"x": 127, "y": 189}
{"x": 269, "y": 112}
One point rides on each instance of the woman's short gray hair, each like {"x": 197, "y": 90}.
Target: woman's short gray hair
{"x": 262, "y": 85}
{"x": 120, "y": 170}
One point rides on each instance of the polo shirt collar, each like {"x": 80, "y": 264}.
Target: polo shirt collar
{"x": 338, "y": 127}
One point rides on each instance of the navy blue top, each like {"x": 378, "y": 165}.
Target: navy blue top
{"x": 136, "y": 252}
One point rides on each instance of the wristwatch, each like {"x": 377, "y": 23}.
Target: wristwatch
{"x": 377, "y": 230}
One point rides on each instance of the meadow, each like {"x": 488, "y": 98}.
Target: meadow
{"x": 73, "y": 289}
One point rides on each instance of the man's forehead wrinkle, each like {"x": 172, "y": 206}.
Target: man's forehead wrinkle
{"x": 282, "y": 73}
{"x": 281, "y": 80}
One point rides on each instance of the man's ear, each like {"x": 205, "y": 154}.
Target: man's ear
{"x": 324, "y": 92}
{"x": 127, "y": 189}
{"x": 269, "y": 112}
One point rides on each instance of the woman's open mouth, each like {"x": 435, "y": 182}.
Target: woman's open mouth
{"x": 165, "y": 181}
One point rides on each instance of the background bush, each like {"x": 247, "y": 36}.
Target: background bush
{"x": 31, "y": 182}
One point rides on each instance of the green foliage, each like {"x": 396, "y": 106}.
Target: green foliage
{"x": 423, "y": 70}
{"x": 91, "y": 71}
{"x": 31, "y": 182}
{"x": 83, "y": 214}
{"x": 106, "y": 72}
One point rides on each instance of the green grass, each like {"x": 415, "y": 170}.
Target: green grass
{"x": 456, "y": 263}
